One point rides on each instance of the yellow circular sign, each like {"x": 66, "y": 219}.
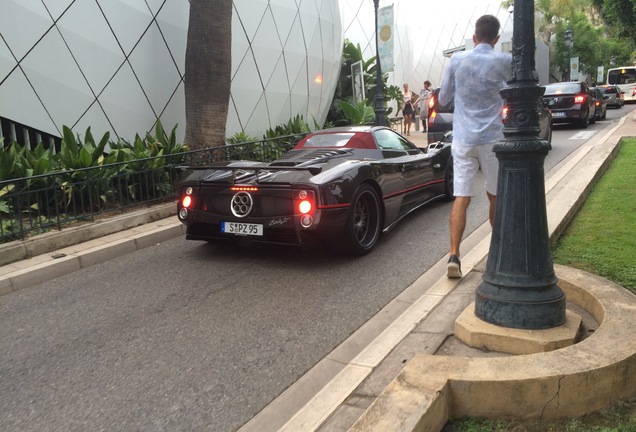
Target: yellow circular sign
{"x": 385, "y": 33}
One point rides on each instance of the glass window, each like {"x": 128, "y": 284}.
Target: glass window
{"x": 389, "y": 140}
{"x": 562, "y": 88}
{"x": 328, "y": 140}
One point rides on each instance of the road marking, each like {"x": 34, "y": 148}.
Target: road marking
{"x": 583, "y": 135}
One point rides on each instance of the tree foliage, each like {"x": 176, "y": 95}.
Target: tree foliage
{"x": 602, "y": 32}
{"x": 352, "y": 53}
{"x": 620, "y": 16}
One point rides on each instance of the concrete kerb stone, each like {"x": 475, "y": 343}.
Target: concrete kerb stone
{"x": 51, "y": 241}
{"x": 78, "y": 255}
{"x": 569, "y": 382}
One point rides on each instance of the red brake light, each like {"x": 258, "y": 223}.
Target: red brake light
{"x": 304, "y": 202}
{"x": 431, "y": 118}
{"x": 431, "y": 102}
{"x": 304, "y": 206}
{"x": 187, "y": 201}
{"x": 579, "y": 99}
{"x": 238, "y": 188}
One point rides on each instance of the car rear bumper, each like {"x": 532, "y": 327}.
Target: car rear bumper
{"x": 328, "y": 224}
{"x": 568, "y": 115}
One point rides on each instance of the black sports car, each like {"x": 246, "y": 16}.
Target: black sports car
{"x": 339, "y": 188}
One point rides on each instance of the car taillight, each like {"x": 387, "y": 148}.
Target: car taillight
{"x": 431, "y": 118}
{"x": 187, "y": 201}
{"x": 579, "y": 99}
{"x": 304, "y": 205}
{"x": 304, "y": 201}
{"x": 504, "y": 114}
{"x": 244, "y": 188}
{"x": 598, "y": 103}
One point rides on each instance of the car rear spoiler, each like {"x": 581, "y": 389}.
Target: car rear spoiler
{"x": 257, "y": 169}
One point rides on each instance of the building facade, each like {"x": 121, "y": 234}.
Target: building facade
{"x": 118, "y": 65}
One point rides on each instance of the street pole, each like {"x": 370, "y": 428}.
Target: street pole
{"x": 379, "y": 100}
{"x": 568, "y": 44}
{"x": 519, "y": 287}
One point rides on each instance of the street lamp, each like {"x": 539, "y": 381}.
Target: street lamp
{"x": 568, "y": 44}
{"x": 519, "y": 288}
{"x": 379, "y": 101}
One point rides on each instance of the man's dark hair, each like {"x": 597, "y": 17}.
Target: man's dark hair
{"x": 486, "y": 28}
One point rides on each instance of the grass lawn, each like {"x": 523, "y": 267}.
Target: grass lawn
{"x": 601, "y": 240}
{"x": 602, "y": 237}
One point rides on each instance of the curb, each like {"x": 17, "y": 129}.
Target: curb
{"x": 54, "y": 240}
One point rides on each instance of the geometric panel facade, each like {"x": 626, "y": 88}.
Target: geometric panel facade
{"x": 118, "y": 65}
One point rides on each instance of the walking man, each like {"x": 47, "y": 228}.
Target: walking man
{"x": 474, "y": 79}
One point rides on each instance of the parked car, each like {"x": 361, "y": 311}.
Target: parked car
{"x": 615, "y": 96}
{"x": 340, "y": 188}
{"x": 600, "y": 103}
{"x": 440, "y": 119}
{"x": 570, "y": 102}
{"x": 545, "y": 120}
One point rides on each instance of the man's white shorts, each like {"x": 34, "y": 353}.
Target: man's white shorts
{"x": 466, "y": 162}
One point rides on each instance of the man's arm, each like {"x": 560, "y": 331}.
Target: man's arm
{"x": 447, "y": 87}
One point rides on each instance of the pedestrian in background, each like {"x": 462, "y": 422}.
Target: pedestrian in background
{"x": 474, "y": 78}
{"x": 407, "y": 111}
{"x": 425, "y": 95}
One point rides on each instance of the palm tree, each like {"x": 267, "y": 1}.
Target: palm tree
{"x": 208, "y": 65}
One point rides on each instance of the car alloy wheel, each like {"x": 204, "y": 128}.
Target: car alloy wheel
{"x": 363, "y": 222}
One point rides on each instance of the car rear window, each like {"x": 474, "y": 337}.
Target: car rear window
{"x": 557, "y": 88}
{"x": 607, "y": 90}
{"x": 342, "y": 139}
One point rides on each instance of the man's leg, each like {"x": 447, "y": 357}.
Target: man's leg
{"x": 457, "y": 226}
{"x": 493, "y": 203}
{"x": 458, "y": 222}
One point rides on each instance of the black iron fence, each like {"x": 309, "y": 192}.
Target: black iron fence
{"x": 37, "y": 204}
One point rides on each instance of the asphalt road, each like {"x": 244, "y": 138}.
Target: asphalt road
{"x": 186, "y": 336}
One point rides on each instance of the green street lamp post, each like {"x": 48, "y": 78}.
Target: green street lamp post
{"x": 568, "y": 44}
{"x": 519, "y": 288}
{"x": 379, "y": 101}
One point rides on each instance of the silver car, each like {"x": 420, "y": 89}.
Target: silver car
{"x": 615, "y": 95}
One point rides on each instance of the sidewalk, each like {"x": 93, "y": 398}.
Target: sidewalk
{"x": 342, "y": 387}
{"x": 351, "y": 378}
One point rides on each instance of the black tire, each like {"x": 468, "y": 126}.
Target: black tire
{"x": 583, "y": 123}
{"x": 448, "y": 181}
{"x": 364, "y": 222}
{"x": 593, "y": 119}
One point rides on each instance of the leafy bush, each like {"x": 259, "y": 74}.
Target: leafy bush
{"x": 357, "y": 114}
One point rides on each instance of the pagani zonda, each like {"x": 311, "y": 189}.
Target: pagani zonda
{"x": 339, "y": 187}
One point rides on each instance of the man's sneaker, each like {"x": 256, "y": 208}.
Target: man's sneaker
{"x": 454, "y": 269}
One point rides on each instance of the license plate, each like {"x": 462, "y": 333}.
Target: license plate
{"x": 241, "y": 228}
{"x": 558, "y": 114}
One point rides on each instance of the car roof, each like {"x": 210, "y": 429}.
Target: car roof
{"x": 351, "y": 137}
